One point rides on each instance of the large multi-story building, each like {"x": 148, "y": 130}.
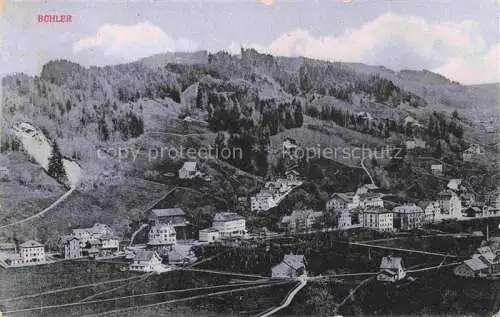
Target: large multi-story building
{"x": 162, "y": 235}
{"x": 30, "y": 253}
{"x": 377, "y": 218}
{"x": 229, "y": 224}
{"x": 301, "y": 220}
{"x": 450, "y": 203}
{"x": 408, "y": 216}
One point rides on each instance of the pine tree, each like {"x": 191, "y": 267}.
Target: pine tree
{"x": 56, "y": 167}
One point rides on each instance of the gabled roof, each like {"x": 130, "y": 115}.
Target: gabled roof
{"x": 347, "y": 197}
{"x": 408, "y": 209}
{"x": 168, "y": 212}
{"x": 295, "y": 261}
{"x": 68, "y": 238}
{"x": 475, "y": 264}
{"x": 391, "y": 262}
{"x": 31, "y": 244}
{"x": 209, "y": 230}
{"x": 227, "y": 216}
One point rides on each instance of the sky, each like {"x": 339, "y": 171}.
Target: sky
{"x": 456, "y": 38}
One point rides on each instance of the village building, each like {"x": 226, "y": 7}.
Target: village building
{"x": 145, "y": 261}
{"x": 339, "y": 201}
{"x": 292, "y": 175}
{"x": 30, "y": 253}
{"x": 95, "y": 232}
{"x": 489, "y": 258}
{"x": 377, "y": 218}
{"x": 472, "y": 211}
{"x": 70, "y": 247}
{"x": 209, "y": 235}
{"x": 450, "y": 203}
{"x": 391, "y": 269}
{"x": 363, "y": 115}
{"x": 408, "y": 217}
{"x": 455, "y": 184}
{"x": 437, "y": 169}
{"x": 291, "y": 266}
{"x": 471, "y": 268}
{"x": 189, "y": 170}
{"x": 180, "y": 255}
{"x": 108, "y": 246}
{"x": 365, "y": 200}
{"x": 171, "y": 216}
{"x": 302, "y": 220}
{"x": 272, "y": 193}
{"x": 432, "y": 210}
{"x": 343, "y": 218}
{"x": 161, "y": 237}
{"x": 229, "y": 224}
{"x": 263, "y": 200}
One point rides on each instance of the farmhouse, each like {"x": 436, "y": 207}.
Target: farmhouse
{"x": 145, "y": 261}
{"x": 172, "y": 216}
{"x": 189, "y": 171}
{"x": 391, "y": 269}
{"x": 209, "y": 235}
{"x": 471, "y": 268}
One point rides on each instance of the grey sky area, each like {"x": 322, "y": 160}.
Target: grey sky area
{"x": 459, "y": 39}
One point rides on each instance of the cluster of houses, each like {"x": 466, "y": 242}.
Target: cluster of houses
{"x": 30, "y": 253}
{"x": 96, "y": 241}
{"x": 225, "y": 226}
{"x": 274, "y": 192}
{"x": 484, "y": 262}
{"x": 190, "y": 170}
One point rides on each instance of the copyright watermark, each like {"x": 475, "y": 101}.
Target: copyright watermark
{"x": 345, "y": 153}
{"x": 131, "y": 154}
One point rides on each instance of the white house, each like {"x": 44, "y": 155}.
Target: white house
{"x": 455, "y": 184}
{"x": 209, "y": 235}
{"x": 229, "y": 224}
{"x": 162, "y": 235}
{"x": 437, "y": 169}
{"x": 189, "y": 170}
{"x": 30, "y": 253}
{"x": 391, "y": 269}
{"x": 145, "y": 261}
{"x": 339, "y": 201}
{"x": 377, "y": 218}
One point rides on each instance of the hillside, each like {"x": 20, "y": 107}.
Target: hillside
{"x": 101, "y": 116}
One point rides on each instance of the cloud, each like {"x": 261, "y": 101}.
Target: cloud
{"x": 473, "y": 69}
{"x": 266, "y": 2}
{"x": 399, "y": 42}
{"x": 130, "y": 42}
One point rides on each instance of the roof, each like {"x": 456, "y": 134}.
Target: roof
{"x": 347, "y": 197}
{"x": 294, "y": 261}
{"x": 475, "y": 264}
{"x": 190, "y": 166}
{"x": 227, "y": 216}
{"x": 31, "y": 244}
{"x": 168, "y": 212}
{"x": 282, "y": 268}
{"x": 407, "y": 209}
{"x": 391, "y": 262}
{"x": 376, "y": 210}
{"x": 437, "y": 166}
{"x": 162, "y": 226}
{"x": 209, "y": 230}
{"x": 144, "y": 255}
{"x": 68, "y": 238}
{"x": 454, "y": 183}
